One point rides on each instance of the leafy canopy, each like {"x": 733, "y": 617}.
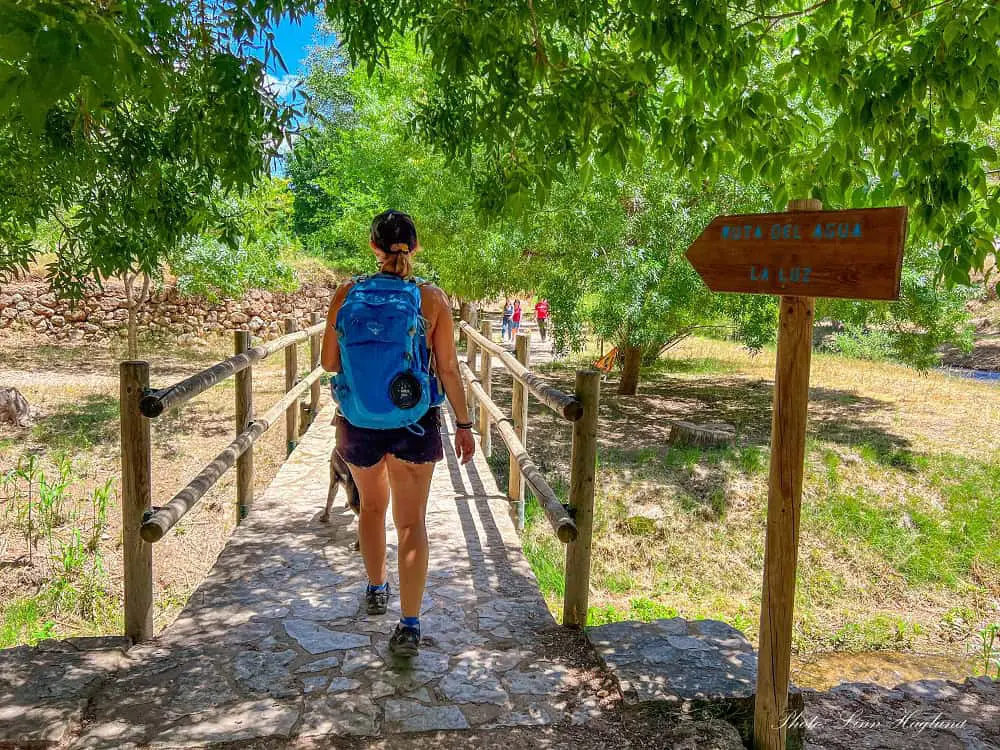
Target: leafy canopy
{"x": 855, "y": 102}
{"x": 255, "y": 254}
{"x": 121, "y": 120}
{"x": 361, "y": 157}
{"x": 608, "y": 250}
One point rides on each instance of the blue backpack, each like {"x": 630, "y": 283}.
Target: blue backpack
{"x": 385, "y": 378}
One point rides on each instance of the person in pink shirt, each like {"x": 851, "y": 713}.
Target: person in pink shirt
{"x": 515, "y": 321}
{"x": 542, "y": 315}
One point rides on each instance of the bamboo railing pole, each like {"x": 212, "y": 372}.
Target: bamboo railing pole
{"x": 560, "y": 519}
{"x": 137, "y": 458}
{"x": 315, "y": 345}
{"x": 291, "y": 371}
{"x": 154, "y": 403}
{"x": 486, "y": 380}
{"x": 244, "y": 415}
{"x": 519, "y": 412}
{"x": 472, "y": 350}
{"x": 582, "y": 484}
{"x": 784, "y": 502}
{"x": 166, "y": 517}
{"x": 561, "y": 403}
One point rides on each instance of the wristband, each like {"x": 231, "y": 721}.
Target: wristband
{"x": 464, "y": 425}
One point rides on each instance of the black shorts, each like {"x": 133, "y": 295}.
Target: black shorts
{"x": 364, "y": 447}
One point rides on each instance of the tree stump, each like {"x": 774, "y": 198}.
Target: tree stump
{"x": 708, "y": 435}
{"x": 14, "y": 407}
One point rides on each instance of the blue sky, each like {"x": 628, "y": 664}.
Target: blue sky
{"x": 293, "y": 40}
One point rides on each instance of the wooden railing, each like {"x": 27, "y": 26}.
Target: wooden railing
{"x": 142, "y": 524}
{"x": 573, "y": 522}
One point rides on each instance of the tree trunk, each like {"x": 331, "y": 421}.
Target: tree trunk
{"x": 133, "y": 333}
{"x": 629, "y": 383}
{"x": 135, "y": 303}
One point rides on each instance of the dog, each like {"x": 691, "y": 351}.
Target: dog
{"x": 340, "y": 476}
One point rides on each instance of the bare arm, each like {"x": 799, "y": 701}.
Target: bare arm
{"x": 330, "y": 354}
{"x": 445, "y": 356}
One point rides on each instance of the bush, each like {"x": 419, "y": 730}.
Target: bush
{"x": 874, "y": 344}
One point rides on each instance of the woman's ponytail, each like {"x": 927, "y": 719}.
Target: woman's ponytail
{"x": 395, "y": 235}
{"x": 398, "y": 260}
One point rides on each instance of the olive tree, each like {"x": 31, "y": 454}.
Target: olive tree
{"x": 121, "y": 122}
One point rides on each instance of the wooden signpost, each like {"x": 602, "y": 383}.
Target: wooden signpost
{"x": 801, "y": 254}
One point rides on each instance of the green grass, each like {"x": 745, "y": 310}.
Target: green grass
{"x": 22, "y": 621}
{"x": 646, "y": 610}
{"x": 878, "y": 633}
{"x": 892, "y": 456}
{"x": 925, "y": 545}
{"x": 694, "y": 366}
{"x": 753, "y": 460}
{"x": 80, "y": 425}
{"x": 604, "y": 615}
{"x": 618, "y": 583}
{"x": 544, "y": 552}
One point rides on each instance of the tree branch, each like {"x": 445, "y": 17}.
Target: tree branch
{"x": 774, "y": 20}
{"x": 540, "y": 57}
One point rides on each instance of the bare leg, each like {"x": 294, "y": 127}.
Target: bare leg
{"x": 411, "y": 483}
{"x": 373, "y": 486}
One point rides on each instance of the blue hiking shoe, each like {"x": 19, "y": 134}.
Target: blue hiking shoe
{"x": 404, "y": 641}
{"x": 377, "y": 599}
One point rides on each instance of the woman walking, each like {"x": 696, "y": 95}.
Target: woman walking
{"x": 515, "y": 320}
{"x": 506, "y": 326}
{"x": 542, "y": 315}
{"x": 390, "y": 339}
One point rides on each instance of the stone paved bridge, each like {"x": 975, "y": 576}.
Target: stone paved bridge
{"x": 274, "y": 643}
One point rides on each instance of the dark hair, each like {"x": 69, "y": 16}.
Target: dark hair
{"x": 395, "y": 234}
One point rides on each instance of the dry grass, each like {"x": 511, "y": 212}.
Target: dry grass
{"x": 75, "y": 390}
{"x": 899, "y": 530}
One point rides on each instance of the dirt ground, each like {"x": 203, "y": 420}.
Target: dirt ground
{"x": 73, "y": 390}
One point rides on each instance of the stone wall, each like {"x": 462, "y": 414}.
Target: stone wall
{"x": 30, "y": 306}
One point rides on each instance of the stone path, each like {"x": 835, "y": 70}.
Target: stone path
{"x": 274, "y": 642}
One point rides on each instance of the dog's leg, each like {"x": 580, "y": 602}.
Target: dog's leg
{"x": 330, "y": 496}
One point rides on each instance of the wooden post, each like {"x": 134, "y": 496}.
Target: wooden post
{"x": 784, "y": 499}
{"x": 519, "y": 411}
{"x": 467, "y": 311}
{"x": 137, "y": 458}
{"x": 486, "y": 379}
{"x": 244, "y": 415}
{"x": 470, "y": 360}
{"x": 582, "y": 483}
{"x": 315, "y": 346}
{"x": 291, "y": 373}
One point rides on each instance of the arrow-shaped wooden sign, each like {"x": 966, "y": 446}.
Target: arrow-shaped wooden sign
{"x": 855, "y": 254}
{"x": 800, "y": 254}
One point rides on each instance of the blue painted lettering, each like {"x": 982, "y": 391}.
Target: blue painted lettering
{"x": 794, "y": 275}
